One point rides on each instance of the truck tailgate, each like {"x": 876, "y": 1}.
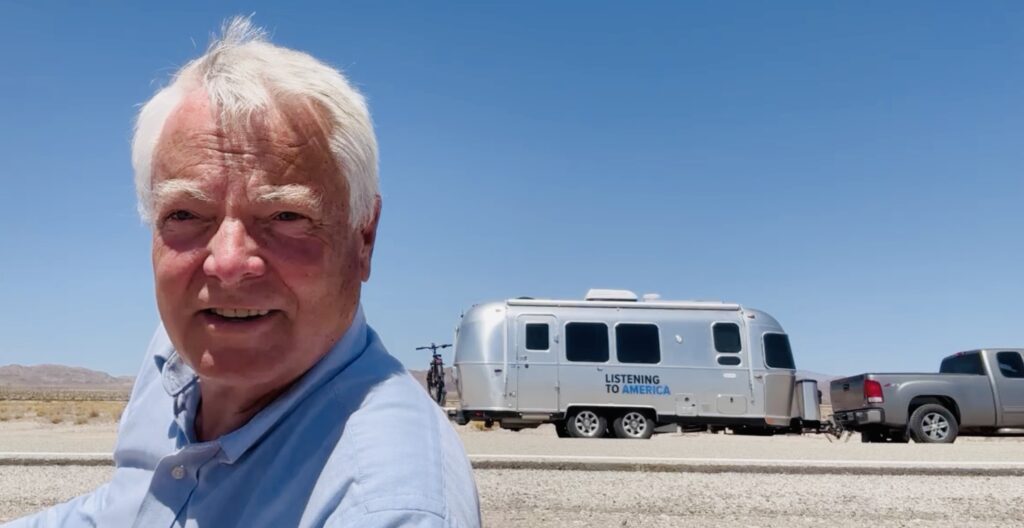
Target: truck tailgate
{"x": 848, "y": 393}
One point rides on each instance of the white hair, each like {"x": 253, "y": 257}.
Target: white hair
{"x": 243, "y": 73}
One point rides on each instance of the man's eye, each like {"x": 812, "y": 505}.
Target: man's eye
{"x": 288, "y": 216}
{"x": 181, "y": 216}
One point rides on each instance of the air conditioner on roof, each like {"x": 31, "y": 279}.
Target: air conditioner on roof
{"x": 596, "y": 294}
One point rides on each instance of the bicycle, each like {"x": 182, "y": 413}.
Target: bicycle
{"x": 435, "y": 374}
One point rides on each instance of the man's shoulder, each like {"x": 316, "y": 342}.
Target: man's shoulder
{"x": 404, "y": 453}
{"x": 399, "y": 436}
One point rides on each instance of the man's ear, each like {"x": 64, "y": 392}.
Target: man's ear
{"x": 368, "y": 237}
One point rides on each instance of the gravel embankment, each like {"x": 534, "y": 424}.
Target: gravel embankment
{"x": 26, "y": 489}
{"x": 549, "y": 498}
{"x": 542, "y": 498}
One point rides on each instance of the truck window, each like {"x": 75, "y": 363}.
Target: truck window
{"x": 777, "y": 353}
{"x": 963, "y": 364}
{"x": 586, "y": 342}
{"x": 637, "y": 343}
{"x": 1010, "y": 364}
{"x": 727, "y": 337}
{"x": 537, "y": 336}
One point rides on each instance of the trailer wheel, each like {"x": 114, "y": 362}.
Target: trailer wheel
{"x": 634, "y": 425}
{"x": 586, "y": 423}
{"x": 932, "y": 423}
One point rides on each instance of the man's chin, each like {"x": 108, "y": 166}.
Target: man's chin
{"x": 255, "y": 364}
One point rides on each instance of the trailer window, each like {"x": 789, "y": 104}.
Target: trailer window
{"x": 729, "y": 361}
{"x": 537, "y": 336}
{"x": 777, "y": 353}
{"x": 1010, "y": 364}
{"x": 727, "y": 337}
{"x": 637, "y": 343}
{"x": 586, "y": 342}
{"x": 963, "y": 364}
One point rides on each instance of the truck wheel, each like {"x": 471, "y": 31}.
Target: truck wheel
{"x": 933, "y": 424}
{"x": 634, "y": 425}
{"x": 586, "y": 424}
{"x": 560, "y": 429}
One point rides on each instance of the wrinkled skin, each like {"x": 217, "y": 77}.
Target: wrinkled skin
{"x": 226, "y": 238}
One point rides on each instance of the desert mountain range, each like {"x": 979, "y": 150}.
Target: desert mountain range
{"x": 60, "y": 376}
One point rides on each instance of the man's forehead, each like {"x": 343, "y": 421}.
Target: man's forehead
{"x": 284, "y": 144}
{"x": 285, "y": 124}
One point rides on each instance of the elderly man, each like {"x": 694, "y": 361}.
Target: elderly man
{"x": 265, "y": 399}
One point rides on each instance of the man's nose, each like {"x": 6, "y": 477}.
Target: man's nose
{"x": 233, "y": 254}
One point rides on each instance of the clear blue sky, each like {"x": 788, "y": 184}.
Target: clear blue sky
{"x": 853, "y": 168}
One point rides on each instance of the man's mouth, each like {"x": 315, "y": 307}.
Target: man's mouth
{"x": 238, "y": 314}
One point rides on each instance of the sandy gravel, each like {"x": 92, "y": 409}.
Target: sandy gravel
{"x": 521, "y": 498}
{"x": 547, "y": 498}
{"x": 26, "y": 489}
{"x": 532, "y": 498}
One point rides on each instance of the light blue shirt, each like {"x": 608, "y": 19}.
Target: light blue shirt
{"x": 354, "y": 442}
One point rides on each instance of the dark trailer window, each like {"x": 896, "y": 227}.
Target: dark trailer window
{"x": 727, "y": 337}
{"x": 537, "y": 336}
{"x": 777, "y": 353}
{"x": 963, "y": 364}
{"x": 586, "y": 342}
{"x": 637, "y": 343}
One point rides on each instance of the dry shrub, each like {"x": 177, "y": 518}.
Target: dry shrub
{"x": 76, "y": 411}
{"x": 481, "y": 426}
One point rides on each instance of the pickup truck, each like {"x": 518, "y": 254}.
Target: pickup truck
{"x": 975, "y": 393}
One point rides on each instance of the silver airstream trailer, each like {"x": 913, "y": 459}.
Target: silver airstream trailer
{"x": 616, "y": 364}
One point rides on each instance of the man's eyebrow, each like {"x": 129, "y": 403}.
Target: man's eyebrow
{"x": 169, "y": 189}
{"x": 292, "y": 193}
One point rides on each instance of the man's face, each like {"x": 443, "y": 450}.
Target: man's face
{"x": 257, "y": 269}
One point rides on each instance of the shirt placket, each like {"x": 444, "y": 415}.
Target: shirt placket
{"x": 176, "y": 476}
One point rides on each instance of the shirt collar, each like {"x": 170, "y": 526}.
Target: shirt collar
{"x": 177, "y": 377}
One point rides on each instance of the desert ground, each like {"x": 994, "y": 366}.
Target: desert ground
{"x": 679, "y": 479}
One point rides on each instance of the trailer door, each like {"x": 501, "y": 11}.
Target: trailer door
{"x": 536, "y": 354}
{"x": 778, "y": 378}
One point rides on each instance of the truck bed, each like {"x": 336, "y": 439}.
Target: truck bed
{"x": 848, "y": 393}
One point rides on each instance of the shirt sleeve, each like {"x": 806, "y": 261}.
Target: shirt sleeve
{"x": 392, "y": 519}
{"x": 78, "y": 512}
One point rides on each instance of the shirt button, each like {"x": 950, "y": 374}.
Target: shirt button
{"x": 178, "y": 472}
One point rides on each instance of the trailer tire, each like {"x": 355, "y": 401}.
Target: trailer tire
{"x": 586, "y": 423}
{"x": 932, "y": 423}
{"x": 634, "y": 425}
